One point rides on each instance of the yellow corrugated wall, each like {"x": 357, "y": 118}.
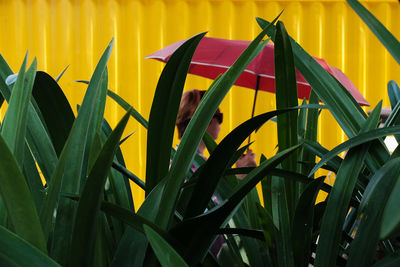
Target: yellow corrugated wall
{"x": 75, "y": 33}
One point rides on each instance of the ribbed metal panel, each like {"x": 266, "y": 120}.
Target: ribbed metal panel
{"x": 75, "y": 33}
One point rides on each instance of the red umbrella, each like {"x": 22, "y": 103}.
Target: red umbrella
{"x": 214, "y": 56}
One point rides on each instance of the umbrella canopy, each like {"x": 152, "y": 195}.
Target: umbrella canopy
{"x": 214, "y": 56}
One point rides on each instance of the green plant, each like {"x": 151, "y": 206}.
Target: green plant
{"x": 84, "y": 213}
{"x": 352, "y": 225}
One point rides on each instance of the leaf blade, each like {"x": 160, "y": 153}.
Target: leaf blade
{"x": 15, "y": 250}
{"x": 166, "y": 255}
{"x": 164, "y": 111}
{"x": 15, "y": 121}
{"x": 54, "y": 107}
{"x": 200, "y": 227}
{"x": 82, "y": 244}
{"x": 355, "y": 141}
{"x": 380, "y": 31}
{"x": 339, "y": 197}
{"x": 219, "y": 160}
{"x": 71, "y": 175}
{"x": 362, "y": 249}
{"x": 197, "y": 126}
{"x": 18, "y": 200}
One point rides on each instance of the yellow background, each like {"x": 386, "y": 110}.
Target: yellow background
{"x": 75, "y": 33}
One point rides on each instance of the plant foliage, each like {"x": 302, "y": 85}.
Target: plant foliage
{"x": 65, "y": 197}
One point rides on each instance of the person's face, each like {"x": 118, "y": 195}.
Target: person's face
{"x": 214, "y": 128}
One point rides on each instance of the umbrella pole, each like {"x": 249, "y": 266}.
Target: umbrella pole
{"x": 254, "y": 102}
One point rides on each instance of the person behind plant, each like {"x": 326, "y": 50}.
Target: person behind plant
{"x": 189, "y": 103}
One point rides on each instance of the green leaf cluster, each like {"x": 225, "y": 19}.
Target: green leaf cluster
{"x": 65, "y": 197}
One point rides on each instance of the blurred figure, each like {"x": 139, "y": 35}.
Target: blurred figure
{"x": 189, "y": 103}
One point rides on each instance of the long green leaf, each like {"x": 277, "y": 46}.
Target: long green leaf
{"x": 270, "y": 233}
{"x": 136, "y": 115}
{"x": 390, "y": 218}
{"x": 40, "y": 144}
{"x": 14, "y": 132}
{"x": 301, "y": 129}
{"x": 267, "y": 225}
{"x": 209, "y": 142}
{"x": 167, "y": 256}
{"x": 101, "y": 102}
{"x": 83, "y": 238}
{"x": 22, "y": 96}
{"x": 125, "y": 105}
{"x": 15, "y": 251}
{"x": 121, "y": 187}
{"x": 14, "y": 125}
{"x": 37, "y": 137}
{"x": 393, "y": 93}
{"x": 363, "y": 247}
{"x": 129, "y": 175}
{"x": 249, "y": 204}
{"x": 33, "y": 179}
{"x": 343, "y": 107}
{"x": 266, "y": 190}
{"x": 115, "y": 193}
{"x": 200, "y": 227}
{"x": 18, "y": 200}
{"x": 197, "y": 127}
{"x": 258, "y": 234}
{"x": 310, "y": 134}
{"x": 339, "y": 198}
{"x": 54, "y": 107}
{"x": 57, "y": 79}
{"x": 136, "y": 222}
{"x": 104, "y": 246}
{"x": 282, "y": 221}
{"x": 380, "y": 31}
{"x": 250, "y": 248}
{"x": 277, "y": 172}
{"x": 49, "y": 205}
{"x": 5, "y": 71}
{"x": 316, "y": 149}
{"x": 355, "y": 141}
{"x": 302, "y": 120}
{"x": 132, "y": 219}
{"x": 87, "y": 113}
{"x": 325, "y": 86}
{"x": 164, "y": 110}
{"x": 394, "y": 116}
{"x": 76, "y": 165}
{"x": 219, "y": 160}
{"x": 246, "y": 217}
{"x": 303, "y": 222}
{"x": 286, "y": 96}
{"x": 133, "y": 245}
